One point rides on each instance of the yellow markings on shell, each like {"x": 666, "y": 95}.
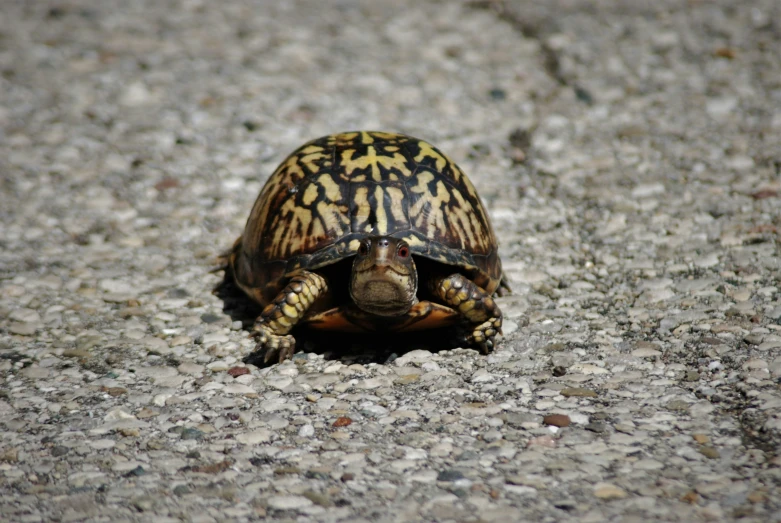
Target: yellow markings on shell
{"x": 432, "y": 218}
{"x": 461, "y": 177}
{"x": 286, "y": 240}
{"x": 317, "y": 229}
{"x": 482, "y": 236}
{"x": 443, "y": 195}
{"x": 373, "y": 161}
{"x": 310, "y": 194}
{"x": 310, "y": 149}
{"x": 290, "y": 169}
{"x": 389, "y": 136}
{"x": 458, "y": 230}
{"x": 366, "y": 138}
{"x": 332, "y": 218}
{"x": 308, "y": 156}
{"x": 343, "y": 138}
{"x": 353, "y": 245}
{"x": 463, "y": 213}
{"x": 424, "y": 178}
{"x": 427, "y": 151}
{"x": 332, "y": 190}
{"x": 362, "y": 208}
{"x": 396, "y": 205}
{"x": 414, "y": 241}
{"x": 382, "y": 218}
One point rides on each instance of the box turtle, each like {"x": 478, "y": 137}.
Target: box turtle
{"x": 368, "y": 231}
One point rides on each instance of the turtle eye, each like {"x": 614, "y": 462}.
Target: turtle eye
{"x": 363, "y": 248}
{"x": 403, "y": 251}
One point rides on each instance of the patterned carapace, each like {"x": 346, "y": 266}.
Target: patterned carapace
{"x": 337, "y": 189}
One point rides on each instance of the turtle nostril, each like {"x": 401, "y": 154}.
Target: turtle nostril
{"x": 383, "y": 242}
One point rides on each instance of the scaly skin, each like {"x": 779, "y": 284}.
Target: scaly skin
{"x": 274, "y": 324}
{"x": 482, "y": 318}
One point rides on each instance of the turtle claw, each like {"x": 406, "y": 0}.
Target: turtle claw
{"x": 483, "y": 335}
{"x": 273, "y": 348}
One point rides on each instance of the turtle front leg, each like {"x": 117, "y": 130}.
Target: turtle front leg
{"x": 481, "y": 315}
{"x": 274, "y": 324}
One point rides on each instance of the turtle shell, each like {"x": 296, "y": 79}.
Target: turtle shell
{"x": 335, "y": 190}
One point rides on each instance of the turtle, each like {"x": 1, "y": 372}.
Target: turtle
{"x": 368, "y": 231}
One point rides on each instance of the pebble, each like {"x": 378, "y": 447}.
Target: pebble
{"x": 482, "y": 376}
{"x": 577, "y": 392}
{"x": 557, "y": 420}
{"x": 450, "y": 475}
{"x": 609, "y": 491}
{"x": 415, "y": 356}
{"x": 306, "y": 431}
{"x": 238, "y": 388}
{"x": 255, "y": 437}
{"x": 289, "y": 502}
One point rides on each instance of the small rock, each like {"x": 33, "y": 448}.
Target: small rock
{"x": 317, "y": 499}
{"x": 709, "y": 452}
{"x": 596, "y": 426}
{"x": 238, "y": 388}
{"x": 542, "y": 441}
{"x": 238, "y": 371}
{"x": 213, "y": 468}
{"x": 342, "y": 421}
{"x": 22, "y": 329}
{"x": 646, "y": 353}
{"x": 255, "y": 437}
{"x": 36, "y": 372}
{"x": 678, "y": 406}
{"x": 609, "y": 491}
{"x": 557, "y": 420}
{"x": 192, "y": 369}
{"x": 413, "y": 356}
{"x": 136, "y": 472}
{"x": 76, "y": 353}
{"x": 578, "y": 393}
{"x": 648, "y": 190}
{"x": 210, "y": 317}
{"x": 192, "y": 433}
{"x": 143, "y": 504}
{"x": 450, "y": 475}
{"x": 58, "y": 451}
{"x": 289, "y": 502}
{"x": 482, "y": 376}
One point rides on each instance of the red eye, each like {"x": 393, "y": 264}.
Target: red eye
{"x": 403, "y": 251}
{"x": 363, "y": 249}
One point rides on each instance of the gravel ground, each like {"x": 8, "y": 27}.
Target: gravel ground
{"x": 628, "y": 153}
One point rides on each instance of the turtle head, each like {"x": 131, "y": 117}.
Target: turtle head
{"x": 384, "y": 279}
